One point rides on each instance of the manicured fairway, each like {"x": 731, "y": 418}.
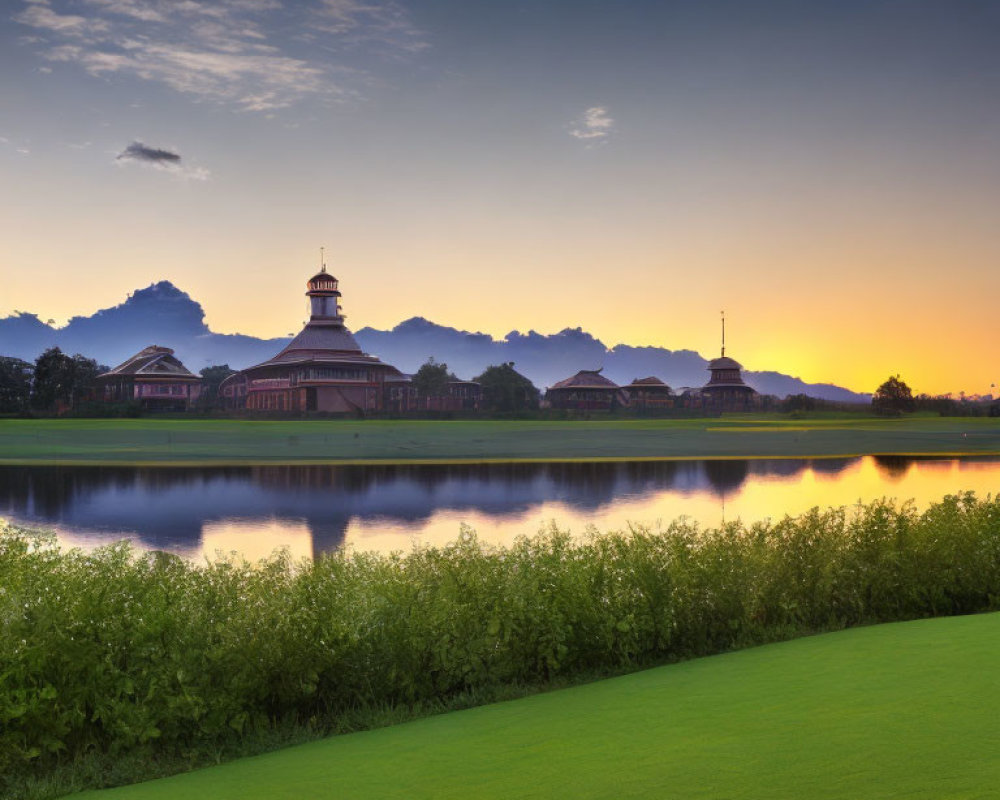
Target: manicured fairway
{"x": 905, "y": 710}
{"x": 223, "y": 442}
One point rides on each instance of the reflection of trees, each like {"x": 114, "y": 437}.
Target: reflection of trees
{"x": 590, "y": 486}
{"x": 116, "y": 501}
{"x": 413, "y": 492}
{"x": 893, "y": 468}
{"x": 726, "y": 475}
{"x": 832, "y": 466}
{"x": 793, "y": 467}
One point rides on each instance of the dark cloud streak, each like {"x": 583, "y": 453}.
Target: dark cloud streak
{"x": 140, "y": 152}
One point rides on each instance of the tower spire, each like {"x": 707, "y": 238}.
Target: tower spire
{"x": 322, "y": 259}
{"x": 723, "y": 333}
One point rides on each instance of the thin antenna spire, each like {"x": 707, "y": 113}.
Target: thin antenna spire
{"x": 723, "y": 333}
{"x": 322, "y": 259}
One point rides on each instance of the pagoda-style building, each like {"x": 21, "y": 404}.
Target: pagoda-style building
{"x": 321, "y": 370}
{"x": 588, "y": 390}
{"x": 650, "y": 394}
{"x": 726, "y": 390}
{"x": 154, "y": 378}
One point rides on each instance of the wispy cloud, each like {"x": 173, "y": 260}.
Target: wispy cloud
{"x": 160, "y": 158}
{"x": 253, "y": 55}
{"x": 22, "y": 148}
{"x": 40, "y": 15}
{"x": 361, "y": 21}
{"x": 594, "y": 126}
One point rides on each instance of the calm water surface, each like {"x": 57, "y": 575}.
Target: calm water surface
{"x": 253, "y": 510}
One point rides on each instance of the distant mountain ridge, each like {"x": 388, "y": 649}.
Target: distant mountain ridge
{"x": 163, "y": 314}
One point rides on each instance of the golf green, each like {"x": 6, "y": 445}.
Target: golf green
{"x": 903, "y": 710}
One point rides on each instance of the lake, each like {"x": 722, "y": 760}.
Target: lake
{"x": 314, "y": 509}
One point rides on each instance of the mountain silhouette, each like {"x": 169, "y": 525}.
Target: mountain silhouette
{"x": 165, "y": 315}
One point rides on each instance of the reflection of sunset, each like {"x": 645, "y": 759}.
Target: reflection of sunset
{"x": 252, "y": 539}
{"x": 760, "y": 497}
{"x": 256, "y": 539}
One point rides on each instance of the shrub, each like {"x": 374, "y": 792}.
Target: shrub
{"x": 120, "y": 654}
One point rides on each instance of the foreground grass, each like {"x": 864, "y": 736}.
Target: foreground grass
{"x": 902, "y": 710}
{"x": 224, "y": 442}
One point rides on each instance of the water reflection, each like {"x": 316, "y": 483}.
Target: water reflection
{"x": 894, "y": 468}
{"x": 314, "y": 509}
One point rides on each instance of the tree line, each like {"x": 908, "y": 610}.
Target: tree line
{"x": 503, "y": 388}
{"x": 54, "y": 382}
{"x": 57, "y": 382}
{"x": 895, "y": 397}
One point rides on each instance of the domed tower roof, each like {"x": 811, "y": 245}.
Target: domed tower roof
{"x": 725, "y": 362}
{"x": 322, "y": 284}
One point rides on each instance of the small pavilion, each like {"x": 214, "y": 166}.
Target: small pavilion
{"x": 650, "y": 393}
{"x": 154, "y": 377}
{"x": 587, "y": 390}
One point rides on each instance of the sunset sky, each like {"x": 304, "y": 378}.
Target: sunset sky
{"x": 826, "y": 172}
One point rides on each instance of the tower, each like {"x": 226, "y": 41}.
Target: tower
{"x": 726, "y": 389}
{"x": 323, "y": 297}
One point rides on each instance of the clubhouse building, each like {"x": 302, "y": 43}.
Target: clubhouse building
{"x": 154, "y": 378}
{"x": 321, "y": 370}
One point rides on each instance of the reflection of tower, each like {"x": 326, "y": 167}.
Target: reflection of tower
{"x": 328, "y": 535}
{"x": 726, "y": 475}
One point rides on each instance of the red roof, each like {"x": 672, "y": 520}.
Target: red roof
{"x": 586, "y": 379}
{"x": 650, "y": 381}
{"x": 153, "y": 362}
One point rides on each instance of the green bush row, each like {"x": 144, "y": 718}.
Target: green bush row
{"x": 116, "y": 652}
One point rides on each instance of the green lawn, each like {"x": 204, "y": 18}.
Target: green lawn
{"x": 904, "y": 710}
{"x": 203, "y": 442}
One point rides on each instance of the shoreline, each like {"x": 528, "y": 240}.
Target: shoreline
{"x": 400, "y": 462}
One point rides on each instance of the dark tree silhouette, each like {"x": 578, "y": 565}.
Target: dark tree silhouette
{"x": 504, "y": 389}
{"x": 61, "y": 380}
{"x": 431, "y": 380}
{"x": 211, "y": 379}
{"x": 15, "y": 384}
{"x": 893, "y": 397}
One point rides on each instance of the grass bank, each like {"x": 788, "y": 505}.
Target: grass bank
{"x": 233, "y": 442}
{"x": 903, "y": 710}
{"x": 115, "y": 658}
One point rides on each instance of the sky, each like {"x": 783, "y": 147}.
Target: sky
{"x": 827, "y": 173}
